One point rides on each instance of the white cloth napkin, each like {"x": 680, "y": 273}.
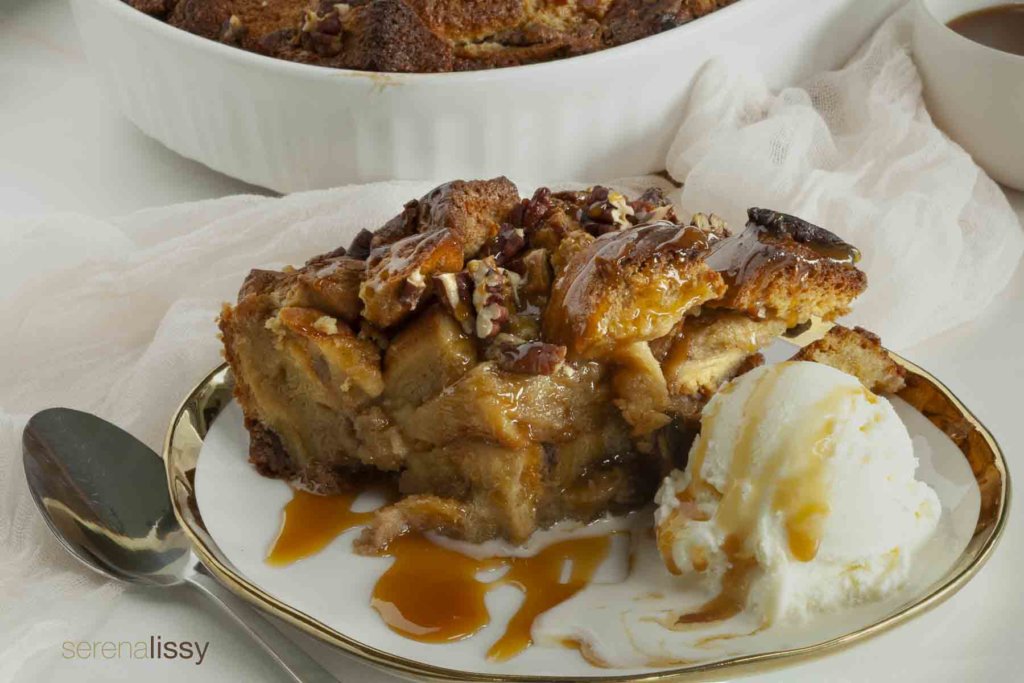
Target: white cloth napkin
{"x": 117, "y": 317}
{"x": 855, "y": 151}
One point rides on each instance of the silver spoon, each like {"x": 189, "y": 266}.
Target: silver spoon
{"x": 104, "y": 495}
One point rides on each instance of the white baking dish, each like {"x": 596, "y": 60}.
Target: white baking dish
{"x": 292, "y": 127}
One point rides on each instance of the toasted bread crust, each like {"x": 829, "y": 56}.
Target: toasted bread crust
{"x": 859, "y": 353}
{"x": 768, "y": 265}
{"x": 471, "y": 211}
{"x": 658, "y": 269}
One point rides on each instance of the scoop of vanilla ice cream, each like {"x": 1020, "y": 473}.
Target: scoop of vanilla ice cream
{"x": 799, "y": 494}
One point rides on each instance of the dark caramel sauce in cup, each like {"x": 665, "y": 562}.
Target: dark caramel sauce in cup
{"x": 1000, "y": 27}
{"x": 434, "y": 594}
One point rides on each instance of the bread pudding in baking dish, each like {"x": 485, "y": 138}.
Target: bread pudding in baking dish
{"x": 424, "y": 35}
{"x": 511, "y": 362}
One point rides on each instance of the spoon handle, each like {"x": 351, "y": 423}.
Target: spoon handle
{"x": 300, "y": 666}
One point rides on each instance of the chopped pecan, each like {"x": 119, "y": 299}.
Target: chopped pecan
{"x": 529, "y": 213}
{"x": 653, "y": 206}
{"x": 548, "y": 217}
{"x": 455, "y": 292}
{"x": 712, "y": 224}
{"x": 494, "y": 295}
{"x": 605, "y": 211}
{"x": 531, "y": 358}
{"x": 489, "y": 319}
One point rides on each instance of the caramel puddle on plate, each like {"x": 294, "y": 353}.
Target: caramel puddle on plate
{"x": 311, "y": 521}
{"x": 433, "y": 594}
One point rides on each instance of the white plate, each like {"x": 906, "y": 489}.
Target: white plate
{"x": 234, "y": 515}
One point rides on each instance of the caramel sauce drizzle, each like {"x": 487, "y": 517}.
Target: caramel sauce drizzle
{"x": 540, "y": 579}
{"x": 433, "y": 594}
{"x": 310, "y": 522}
{"x": 759, "y": 249}
{"x": 802, "y": 498}
{"x": 569, "y": 318}
{"x": 430, "y": 593}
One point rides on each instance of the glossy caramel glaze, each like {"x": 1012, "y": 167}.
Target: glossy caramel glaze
{"x": 430, "y": 593}
{"x": 653, "y": 263}
{"x": 760, "y": 249}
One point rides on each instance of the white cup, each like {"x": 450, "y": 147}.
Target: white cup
{"x": 974, "y": 93}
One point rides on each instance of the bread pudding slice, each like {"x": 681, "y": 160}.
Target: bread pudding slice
{"x": 511, "y": 362}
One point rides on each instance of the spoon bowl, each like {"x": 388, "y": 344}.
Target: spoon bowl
{"x": 104, "y": 495}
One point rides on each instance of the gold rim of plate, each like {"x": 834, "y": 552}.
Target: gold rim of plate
{"x": 923, "y": 391}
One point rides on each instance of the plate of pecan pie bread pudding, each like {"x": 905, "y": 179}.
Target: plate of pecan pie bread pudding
{"x": 577, "y": 434}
